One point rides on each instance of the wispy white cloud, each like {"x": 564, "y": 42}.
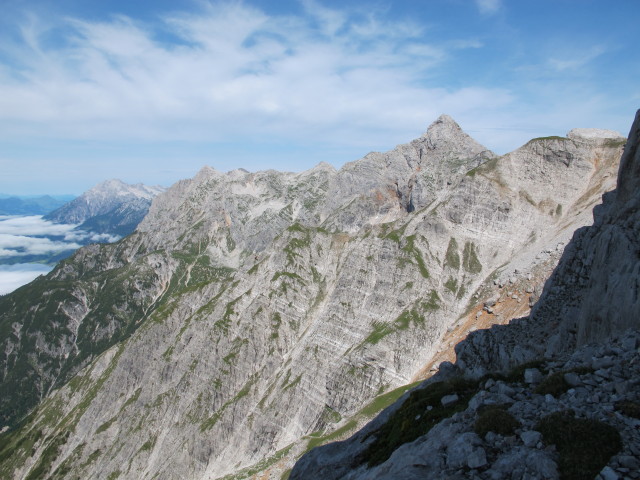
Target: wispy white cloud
{"x": 577, "y": 59}
{"x": 489, "y": 7}
{"x": 231, "y": 71}
{"x": 331, "y": 20}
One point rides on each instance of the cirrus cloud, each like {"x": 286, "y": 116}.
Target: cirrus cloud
{"x": 227, "y": 70}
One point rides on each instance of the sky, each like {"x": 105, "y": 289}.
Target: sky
{"x": 151, "y": 91}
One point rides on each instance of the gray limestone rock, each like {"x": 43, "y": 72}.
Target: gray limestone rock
{"x": 530, "y": 438}
{"x": 448, "y": 400}
{"x": 251, "y": 314}
{"x": 532, "y": 375}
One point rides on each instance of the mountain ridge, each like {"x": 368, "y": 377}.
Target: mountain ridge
{"x": 111, "y": 207}
{"x": 278, "y": 304}
{"x": 583, "y": 335}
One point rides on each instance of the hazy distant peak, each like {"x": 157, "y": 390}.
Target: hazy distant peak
{"x": 320, "y": 167}
{"x": 117, "y": 188}
{"x": 205, "y": 173}
{"x": 123, "y": 203}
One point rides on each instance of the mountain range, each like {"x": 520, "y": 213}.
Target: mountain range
{"x": 253, "y": 316}
{"x": 12, "y": 205}
{"x": 112, "y": 207}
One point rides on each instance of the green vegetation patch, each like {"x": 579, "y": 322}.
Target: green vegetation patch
{"x": 148, "y": 445}
{"x": 105, "y": 426}
{"x": 615, "y": 142}
{"x": 415, "y": 255}
{"x": 554, "y": 384}
{"x": 495, "y": 419}
{"x": 451, "y": 284}
{"x": 236, "y": 346}
{"x": 48, "y": 456}
{"x": 379, "y": 331}
{"x": 470, "y": 260}
{"x": 414, "y": 315}
{"x": 262, "y": 465}
{"x": 212, "y": 420}
{"x": 584, "y": 445}
{"x": 16, "y": 445}
{"x": 432, "y": 302}
{"x": 293, "y": 276}
{"x": 452, "y": 257}
{"x": 406, "y": 318}
{"x": 329, "y": 415}
{"x": 546, "y": 139}
{"x": 295, "y": 382}
{"x": 629, "y": 408}
{"x": 486, "y": 167}
{"x": 414, "y": 419}
{"x": 377, "y": 404}
{"x": 225, "y": 322}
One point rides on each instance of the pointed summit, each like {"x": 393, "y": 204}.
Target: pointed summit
{"x": 445, "y": 134}
{"x": 445, "y": 120}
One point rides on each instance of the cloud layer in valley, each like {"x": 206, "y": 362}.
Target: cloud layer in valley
{"x": 23, "y": 238}
{"x": 14, "y": 276}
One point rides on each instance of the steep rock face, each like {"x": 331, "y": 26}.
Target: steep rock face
{"x": 592, "y": 296}
{"x": 593, "y": 293}
{"x": 258, "y": 311}
{"x": 110, "y": 207}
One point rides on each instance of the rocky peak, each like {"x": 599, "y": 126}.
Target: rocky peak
{"x": 445, "y": 134}
{"x": 444, "y": 123}
{"x": 576, "y": 363}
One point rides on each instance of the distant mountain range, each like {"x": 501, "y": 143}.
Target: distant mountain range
{"x": 105, "y": 213}
{"x": 19, "y": 205}
{"x": 112, "y": 207}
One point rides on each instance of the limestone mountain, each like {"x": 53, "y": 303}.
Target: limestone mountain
{"x": 110, "y": 207}
{"x": 579, "y": 352}
{"x": 253, "y": 315}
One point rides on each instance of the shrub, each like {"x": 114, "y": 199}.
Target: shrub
{"x": 421, "y": 411}
{"x": 497, "y": 420}
{"x": 584, "y": 445}
{"x": 517, "y": 373}
{"x": 629, "y": 408}
{"x": 554, "y": 384}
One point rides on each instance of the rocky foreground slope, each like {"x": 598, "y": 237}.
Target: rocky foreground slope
{"x": 557, "y": 395}
{"x": 254, "y": 315}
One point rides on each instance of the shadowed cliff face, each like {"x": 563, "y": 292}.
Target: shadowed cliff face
{"x": 594, "y": 292}
{"x": 252, "y": 314}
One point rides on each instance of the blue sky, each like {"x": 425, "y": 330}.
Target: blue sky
{"x": 150, "y": 91}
